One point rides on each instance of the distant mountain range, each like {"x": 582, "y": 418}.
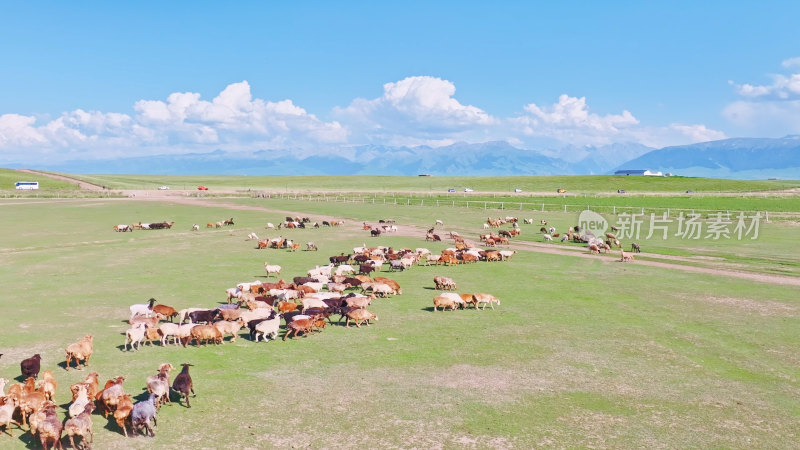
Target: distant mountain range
{"x": 743, "y": 158}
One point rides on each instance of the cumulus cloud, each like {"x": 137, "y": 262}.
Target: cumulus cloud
{"x": 234, "y": 117}
{"x": 414, "y": 110}
{"x": 791, "y": 62}
{"x": 572, "y": 112}
{"x": 569, "y": 120}
{"x": 233, "y": 120}
{"x": 19, "y": 131}
{"x": 420, "y": 110}
{"x": 771, "y": 109}
{"x": 782, "y": 88}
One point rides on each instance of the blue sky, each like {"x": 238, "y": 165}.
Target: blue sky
{"x": 105, "y": 79}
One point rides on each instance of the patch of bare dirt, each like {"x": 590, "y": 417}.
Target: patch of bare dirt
{"x": 499, "y": 383}
{"x": 764, "y": 308}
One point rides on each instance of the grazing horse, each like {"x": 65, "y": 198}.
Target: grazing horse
{"x": 635, "y": 248}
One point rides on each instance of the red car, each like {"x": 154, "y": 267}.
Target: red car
{"x": 202, "y": 188}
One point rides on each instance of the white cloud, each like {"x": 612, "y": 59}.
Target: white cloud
{"x": 791, "y": 62}
{"x": 768, "y": 110}
{"x": 782, "y": 88}
{"x": 766, "y": 118}
{"x": 233, "y": 120}
{"x": 413, "y": 111}
{"x": 748, "y": 90}
{"x": 572, "y": 112}
{"x": 570, "y": 121}
{"x": 18, "y": 131}
{"x": 697, "y": 133}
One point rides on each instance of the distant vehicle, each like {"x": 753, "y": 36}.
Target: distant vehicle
{"x": 451, "y": 190}
{"x": 561, "y": 190}
{"x": 690, "y": 192}
{"x": 621, "y": 191}
{"x": 468, "y": 190}
{"x": 202, "y": 188}
{"x": 163, "y": 188}
{"x": 26, "y": 185}
{"x": 517, "y": 190}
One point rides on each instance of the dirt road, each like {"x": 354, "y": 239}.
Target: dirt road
{"x": 82, "y": 184}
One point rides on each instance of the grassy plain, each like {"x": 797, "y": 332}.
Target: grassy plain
{"x": 581, "y": 352}
{"x": 9, "y": 177}
{"x": 603, "y": 203}
{"x": 767, "y": 253}
{"x": 573, "y": 184}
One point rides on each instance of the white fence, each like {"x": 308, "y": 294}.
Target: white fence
{"x": 508, "y": 207}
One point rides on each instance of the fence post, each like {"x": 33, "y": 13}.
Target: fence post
{"x": 502, "y": 205}
{"x": 484, "y": 205}
{"x": 565, "y": 208}
{"x": 422, "y": 202}
{"x": 667, "y": 212}
{"x": 614, "y": 211}
{"x": 454, "y": 204}
{"x": 542, "y": 207}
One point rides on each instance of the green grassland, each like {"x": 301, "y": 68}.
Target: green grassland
{"x": 581, "y": 353}
{"x": 573, "y": 184}
{"x": 705, "y": 204}
{"x": 9, "y": 177}
{"x": 767, "y": 253}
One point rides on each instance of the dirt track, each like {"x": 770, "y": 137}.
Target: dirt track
{"x": 82, "y": 184}
{"x": 182, "y": 197}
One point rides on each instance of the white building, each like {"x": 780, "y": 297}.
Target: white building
{"x": 640, "y": 172}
